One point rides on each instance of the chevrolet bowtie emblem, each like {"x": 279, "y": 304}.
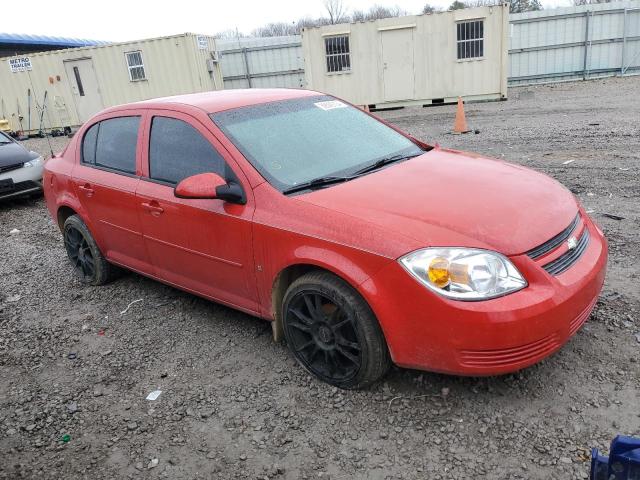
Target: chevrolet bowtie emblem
{"x": 572, "y": 243}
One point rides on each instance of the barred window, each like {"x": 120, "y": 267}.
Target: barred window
{"x": 136, "y": 67}
{"x": 470, "y": 39}
{"x": 338, "y": 54}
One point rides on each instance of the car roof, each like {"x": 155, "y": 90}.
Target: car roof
{"x": 220, "y": 100}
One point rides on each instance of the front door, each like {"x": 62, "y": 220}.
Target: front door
{"x": 397, "y": 64}
{"x": 203, "y": 246}
{"x": 84, "y": 85}
{"x": 105, "y": 180}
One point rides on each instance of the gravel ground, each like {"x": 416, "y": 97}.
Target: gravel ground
{"x": 75, "y": 370}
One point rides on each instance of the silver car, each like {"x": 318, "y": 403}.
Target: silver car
{"x": 20, "y": 169}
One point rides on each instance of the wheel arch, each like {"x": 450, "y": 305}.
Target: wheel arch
{"x": 70, "y": 206}
{"x": 64, "y": 212}
{"x": 287, "y": 275}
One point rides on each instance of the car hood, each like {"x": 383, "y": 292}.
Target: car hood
{"x": 450, "y": 198}
{"x": 12, "y": 153}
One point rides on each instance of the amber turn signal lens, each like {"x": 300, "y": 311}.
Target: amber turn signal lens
{"x": 439, "y": 272}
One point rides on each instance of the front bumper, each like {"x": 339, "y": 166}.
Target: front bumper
{"x": 430, "y": 332}
{"x": 21, "y": 181}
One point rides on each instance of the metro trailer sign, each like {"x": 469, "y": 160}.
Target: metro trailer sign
{"x": 21, "y": 64}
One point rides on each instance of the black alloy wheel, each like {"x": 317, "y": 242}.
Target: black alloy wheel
{"x": 85, "y": 256}
{"x": 332, "y": 331}
{"x": 79, "y": 253}
{"x": 323, "y": 336}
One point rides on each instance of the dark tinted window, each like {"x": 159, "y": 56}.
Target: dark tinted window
{"x": 89, "y": 145}
{"x": 177, "y": 151}
{"x": 116, "y": 145}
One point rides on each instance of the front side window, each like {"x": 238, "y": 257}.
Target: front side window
{"x": 112, "y": 144}
{"x": 337, "y": 53}
{"x": 470, "y": 39}
{"x": 177, "y": 150}
{"x": 294, "y": 141}
{"x": 135, "y": 65}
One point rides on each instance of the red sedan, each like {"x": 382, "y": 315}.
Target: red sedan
{"x": 362, "y": 245}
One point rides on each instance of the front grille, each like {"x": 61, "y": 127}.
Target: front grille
{"x": 567, "y": 259}
{"x": 18, "y": 187}
{"x": 510, "y": 356}
{"x": 8, "y": 168}
{"x": 549, "y": 245}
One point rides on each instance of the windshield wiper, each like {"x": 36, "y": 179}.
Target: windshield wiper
{"x": 316, "y": 183}
{"x": 384, "y": 161}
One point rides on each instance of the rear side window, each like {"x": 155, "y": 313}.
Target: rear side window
{"x": 112, "y": 144}
{"x": 89, "y": 145}
{"x": 177, "y": 151}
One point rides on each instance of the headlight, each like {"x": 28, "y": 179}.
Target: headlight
{"x": 464, "y": 273}
{"x": 32, "y": 163}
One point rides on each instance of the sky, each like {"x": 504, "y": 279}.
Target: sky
{"x": 121, "y": 20}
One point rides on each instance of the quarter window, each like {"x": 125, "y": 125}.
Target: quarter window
{"x": 89, "y": 145}
{"x": 135, "y": 65}
{"x": 470, "y": 39}
{"x": 338, "y": 53}
{"x": 177, "y": 150}
{"x": 112, "y": 144}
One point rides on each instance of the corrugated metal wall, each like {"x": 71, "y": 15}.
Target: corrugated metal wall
{"x": 262, "y": 62}
{"x": 173, "y": 65}
{"x": 574, "y": 43}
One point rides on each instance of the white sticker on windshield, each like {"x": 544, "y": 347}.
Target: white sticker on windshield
{"x": 330, "y": 104}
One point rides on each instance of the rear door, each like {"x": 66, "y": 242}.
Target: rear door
{"x": 105, "y": 180}
{"x": 203, "y": 246}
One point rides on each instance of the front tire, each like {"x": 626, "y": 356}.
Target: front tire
{"x": 333, "y": 333}
{"x": 88, "y": 262}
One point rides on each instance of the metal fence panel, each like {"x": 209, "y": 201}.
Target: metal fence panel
{"x": 574, "y": 43}
{"x": 264, "y": 62}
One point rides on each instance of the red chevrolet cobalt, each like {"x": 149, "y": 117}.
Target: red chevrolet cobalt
{"x": 362, "y": 245}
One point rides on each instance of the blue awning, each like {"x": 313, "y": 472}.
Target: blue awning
{"x": 24, "y": 39}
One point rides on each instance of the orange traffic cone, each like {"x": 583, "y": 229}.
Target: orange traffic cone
{"x": 460, "y": 125}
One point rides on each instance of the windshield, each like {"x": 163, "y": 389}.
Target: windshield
{"x": 4, "y": 138}
{"x": 291, "y": 142}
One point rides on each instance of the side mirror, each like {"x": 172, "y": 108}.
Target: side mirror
{"x": 210, "y": 186}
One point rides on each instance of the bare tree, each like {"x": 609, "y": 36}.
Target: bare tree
{"x": 377, "y": 12}
{"x": 276, "y": 29}
{"x": 589, "y": 2}
{"x": 307, "y": 22}
{"x": 482, "y": 3}
{"x": 229, "y": 34}
{"x": 336, "y": 11}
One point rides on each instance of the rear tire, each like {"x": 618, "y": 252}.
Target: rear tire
{"x": 333, "y": 333}
{"x": 87, "y": 259}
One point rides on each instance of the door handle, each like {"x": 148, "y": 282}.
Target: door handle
{"x": 153, "y": 208}
{"x": 86, "y": 188}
